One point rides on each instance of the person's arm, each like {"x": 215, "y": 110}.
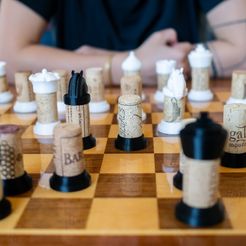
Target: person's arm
{"x": 228, "y": 21}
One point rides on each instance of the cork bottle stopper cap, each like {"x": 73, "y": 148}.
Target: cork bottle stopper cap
{"x": 129, "y": 100}
{"x": 165, "y": 66}
{"x": 67, "y": 130}
{"x": 96, "y": 71}
{"x": 2, "y": 68}
{"x": 131, "y": 63}
{"x": 9, "y": 129}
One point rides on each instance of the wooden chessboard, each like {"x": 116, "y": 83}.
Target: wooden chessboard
{"x": 131, "y": 199}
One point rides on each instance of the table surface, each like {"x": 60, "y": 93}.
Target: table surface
{"x": 131, "y": 199}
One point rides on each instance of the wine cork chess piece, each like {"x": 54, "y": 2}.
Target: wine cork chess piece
{"x": 5, "y": 205}
{"x": 15, "y": 179}
{"x": 174, "y": 104}
{"x": 163, "y": 71}
{"x": 70, "y": 174}
{"x": 94, "y": 80}
{"x": 200, "y": 61}
{"x": 77, "y": 107}
{"x": 238, "y": 88}
{"x": 130, "y": 135}
{"x": 202, "y": 142}
{"x": 25, "y": 101}
{"x": 235, "y": 148}
{"x": 5, "y": 95}
{"x": 62, "y": 86}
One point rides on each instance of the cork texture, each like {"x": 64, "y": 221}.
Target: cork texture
{"x": 131, "y": 85}
{"x": 62, "y": 84}
{"x": 162, "y": 81}
{"x": 11, "y": 161}
{"x": 238, "y": 86}
{"x": 24, "y": 87}
{"x": 68, "y": 151}
{"x": 200, "y": 183}
{"x": 3, "y": 84}
{"x": 130, "y": 116}
{"x": 94, "y": 80}
{"x": 79, "y": 115}
{"x": 235, "y": 123}
{"x": 173, "y": 109}
{"x": 200, "y": 79}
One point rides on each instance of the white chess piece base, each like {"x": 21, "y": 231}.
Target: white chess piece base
{"x": 200, "y": 96}
{"x": 99, "y": 107}
{"x": 170, "y": 128}
{"x": 235, "y": 100}
{"x": 6, "y": 97}
{"x": 159, "y": 97}
{"x": 25, "y": 107}
{"x": 44, "y": 129}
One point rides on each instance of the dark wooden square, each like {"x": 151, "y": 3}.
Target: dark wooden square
{"x": 37, "y": 146}
{"x": 93, "y": 162}
{"x": 167, "y": 163}
{"x": 100, "y": 131}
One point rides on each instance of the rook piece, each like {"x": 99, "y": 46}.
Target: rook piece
{"x": 174, "y": 104}
{"x": 238, "y": 88}
{"x": 235, "y": 123}
{"x": 45, "y": 87}
{"x": 130, "y": 124}
{"x": 15, "y": 179}
{"x": 202, "y": 142}
{"x": 163, "y": 71}
{"x": 77, "y": 109}
{"x": 25, "y": 102}
{"x": 200, "y": 61}
{"x": 5, "y": 95}
{"x": 94, "y": 80}
{"x": 5, "y": 206}
{"x": 70, "y": 174}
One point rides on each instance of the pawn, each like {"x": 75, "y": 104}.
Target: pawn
{"x": 77, "y": 107}
{"x": 202, "y": 142}
{"x": 5, "y": 206}
{"x": 238, "y": 88}
{"x": 25, "y": 102}
{"x": 174, "y": 104}
{"x": 130, "y": 135}
{"x": 5, "y": 95}
{"x": 70, "y": 174}
{"x": 15, "y": 180}
{"x": 94, "y": 80}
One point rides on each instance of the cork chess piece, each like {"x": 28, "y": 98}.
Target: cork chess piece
{"x": 45, "y": 87}
{"x": 174, "y": 104}
{"x": 15, "y": 179}
{"x": 70, "y": 173}
{"x": 5, "y": 206}
{"x": 238, "y": 88}
{"x": 235, "y": 148}
{"x": 77, "y": 107}
{"x": 163, "y": 71}
{"x": 5, "y": 95}
{"x": 200, "y": 61}
{"x": 94, "y": 80}
{"x": 130, "y": 135}
{"x": 202, "y": 142}
{"x": 25, "y": 101}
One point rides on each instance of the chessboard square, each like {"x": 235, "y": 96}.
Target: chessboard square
{"x": 17, "y": 119}
{"x": 166, "y": 145}
{"x": 34, "y": 146}
{"x": 146, "y": 107}
{"x": 89, "y": 192}
{"x": 4, "y": 108}
{"x": 167, "y": 163}
{"x": 168, "y": 220}
{"x": 156, "y": 117}
{"x": 125, "y": 163}
{"x": 110, "y": 147}
{"x": 99, "y": 148}
{"x": 196, "y": 107}
{"x": 101, "y": 119}
{"x": 112, "y": 95}
{"x": 123, "y": 214}
{"x": 93, "y": 162}
{"x": 223, "y": 96}
{"x": 55, "y": 214}
{"x": 231, "y": 170}
{"x": 18, "y": 205}
{"x": 147, "y": 130}
{"x": 126, "y": 185}
{"x": 165, "y": 187}
{"x": 232, "y": 184}
{"x": 100, "y": 131}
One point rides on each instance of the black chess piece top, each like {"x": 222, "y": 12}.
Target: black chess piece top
{"x": 77, "y": 90}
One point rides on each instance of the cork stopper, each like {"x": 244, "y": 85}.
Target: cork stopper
{"x": 11, "y": 162}
{"x": 130, "y": 116}
{"x": 3, "y": 80}
{"x": 238, "y": 86}
{"x": 131, "y": 85}
{"x": 68, "y": 156}
{"x": 62, "y": 84}
{"x": 94, "y": 80}
{"x": 24, "y": 87}
{"x": 235, "y": 123}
